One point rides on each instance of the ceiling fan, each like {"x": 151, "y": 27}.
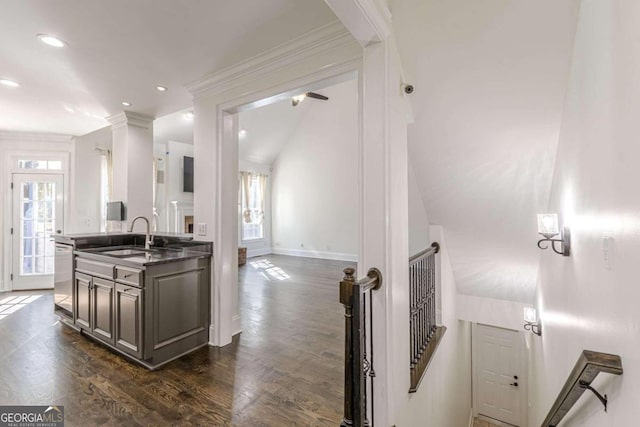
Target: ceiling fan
{"x": 299, "y": 98}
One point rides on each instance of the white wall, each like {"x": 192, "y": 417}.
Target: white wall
{"x": 418, "y": 221}
{"x": 314, "y": 180}
{"x": 489, "y": 91}
{"x": 85, "y": 175}
{"x": 444, "y": 396}
{"x": 490, "y": 311}
{"x": 585, "y": 301}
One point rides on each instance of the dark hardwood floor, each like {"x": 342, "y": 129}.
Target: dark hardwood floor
{"x": 285, "y": 369}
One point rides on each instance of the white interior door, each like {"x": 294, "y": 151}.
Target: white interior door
{"x": 499, "y": 374}
{"x": 37, "y": 216}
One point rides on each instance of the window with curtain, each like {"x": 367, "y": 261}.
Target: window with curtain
{"x": 252, "y": 191}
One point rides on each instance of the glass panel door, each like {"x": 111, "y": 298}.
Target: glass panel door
{"x": 37, "y": 216}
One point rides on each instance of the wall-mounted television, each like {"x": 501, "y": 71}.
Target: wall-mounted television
{"x": 187, "y": 167}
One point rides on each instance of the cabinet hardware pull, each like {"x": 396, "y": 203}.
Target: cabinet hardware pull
{"x": 128, "y": 275}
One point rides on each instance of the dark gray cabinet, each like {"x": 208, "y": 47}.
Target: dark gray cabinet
{"x": 102, "y": 309}
{"x": 155, "y": 313}
{"x": 94, "y": 306}
{"x": 82, "y": 309}
{"x": 128, "y": 313}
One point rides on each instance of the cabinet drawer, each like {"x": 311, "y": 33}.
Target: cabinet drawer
{"x": 130, "y": 276}
{"x": 95, "y": 268}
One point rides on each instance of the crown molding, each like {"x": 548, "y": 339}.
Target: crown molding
{"x": 33, "y": 136}
{"x": 316, "y": 42}
{"x": 129, "y": 118}
{"x": 379, "y": 16}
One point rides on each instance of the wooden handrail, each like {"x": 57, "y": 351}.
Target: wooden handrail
{"x": 586, "y": 369}
{"x": 433, "y": 249}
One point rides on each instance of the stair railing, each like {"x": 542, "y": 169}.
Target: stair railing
{"x": 425, "y": 333}
{"x": 586, "y": 369}
{"x": 358, "y": 364}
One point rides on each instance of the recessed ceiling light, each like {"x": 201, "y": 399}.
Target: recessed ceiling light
{"x": 189, "y": 115}
{"x": 51, "y": 41}
{"x": 126, "y": 104}
{"x": 161, "y": 88}
{"x": 10, "y": 83}
{"x": 242, "y": 133}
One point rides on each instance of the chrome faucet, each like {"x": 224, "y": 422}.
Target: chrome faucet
{"x": 148, "y": 239}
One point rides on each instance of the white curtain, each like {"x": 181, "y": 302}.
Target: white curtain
{"x": 154, "y": 220}
{"x": 107, "y": 184}
{"x": 245, "y": 182}
{"x": 262, "y": 183}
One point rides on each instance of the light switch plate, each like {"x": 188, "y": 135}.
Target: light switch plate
{"x": 202, "y": 229}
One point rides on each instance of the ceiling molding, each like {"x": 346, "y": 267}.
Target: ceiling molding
{"x": 316, "y": 42}
{"x": 379, "y": 16}
{"x": 129, "y": 118}
{"x": 369, "y": 21}
{"x": 33, "y": 137}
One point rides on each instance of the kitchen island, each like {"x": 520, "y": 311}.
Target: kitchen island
{"x": 150, "y": 305}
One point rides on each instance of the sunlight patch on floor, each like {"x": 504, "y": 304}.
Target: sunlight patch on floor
{"x": 271, "y": 270}
{"x": 12, "y": 304}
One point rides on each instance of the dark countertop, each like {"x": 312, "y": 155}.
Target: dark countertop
{"x": 153, "y": 257}
{"x": 167, "y": 247}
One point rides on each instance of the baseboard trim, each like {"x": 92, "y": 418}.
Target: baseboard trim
{"x": 212, "y": 334}
{"x": 252, "y": 253}
{"x": 337, "y": 256}
{"x": 235, "y": 325}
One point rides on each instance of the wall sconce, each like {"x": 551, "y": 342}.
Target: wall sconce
{"x": 531, "y": 321}
{"x": 548, "y": 227}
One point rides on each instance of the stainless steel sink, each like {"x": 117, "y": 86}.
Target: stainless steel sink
{"x": 124, "y": 252}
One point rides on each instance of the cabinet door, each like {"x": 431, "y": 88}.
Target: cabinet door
{"x": 128, "y": 330}
{"x": 102, "y": 309}
{"x": 82, "y": 311}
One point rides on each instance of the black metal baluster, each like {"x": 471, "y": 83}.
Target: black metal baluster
{"x": 372, "y": 372}
{"x": 365, "y": 361}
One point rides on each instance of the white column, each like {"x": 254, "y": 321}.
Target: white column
{"x": 215, "y": 148}
{"x": 133, "y": 164}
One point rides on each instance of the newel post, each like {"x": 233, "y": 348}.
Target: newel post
{"x": 346, "y": 298}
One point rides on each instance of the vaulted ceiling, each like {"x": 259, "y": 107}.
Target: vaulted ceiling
{"x": 490, "y": 78}
{"x": 120, "y": 50}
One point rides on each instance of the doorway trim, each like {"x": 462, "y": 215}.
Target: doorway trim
{"x": 29, "y": 145}
{"x": 328, "y": 54}
{"x": 524, "y": 377}
{"x": 367, "y": 47}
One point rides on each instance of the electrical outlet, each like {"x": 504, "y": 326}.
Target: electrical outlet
{"x": 202, "y": 229}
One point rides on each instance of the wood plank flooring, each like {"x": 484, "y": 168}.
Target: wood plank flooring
{"x": 285, "y": 368}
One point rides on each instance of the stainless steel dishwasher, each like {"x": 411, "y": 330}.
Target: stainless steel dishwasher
{"x": 63, "y": 280}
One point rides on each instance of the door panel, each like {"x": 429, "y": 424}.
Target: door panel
{"x": 499, "y": 374}
{"x": 128, "y": 328}
{"x": 37, "y": 216}
{"x": 103, "y": 309}
{"x": 82, "y": 312}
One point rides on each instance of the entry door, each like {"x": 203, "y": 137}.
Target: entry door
{"x": 37, "y": 216}
{"x": 499, "y": 374}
